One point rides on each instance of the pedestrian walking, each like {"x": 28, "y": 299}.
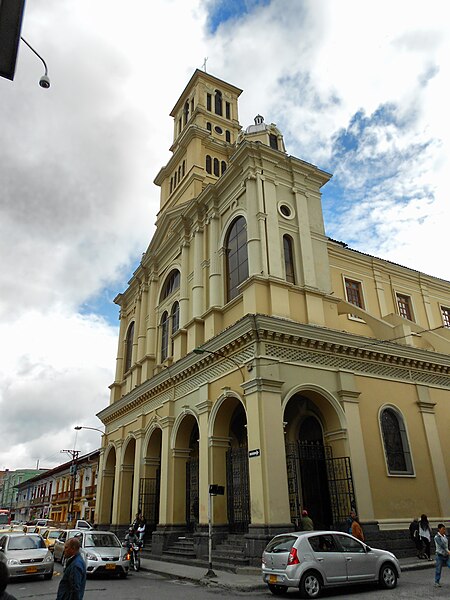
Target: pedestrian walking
{"x": 442, "y": 553}
{"x": 306, "y": 522}
{"x": 356, "y": 529}
{"x": 4, "y": 578}
{"x": 73, "y": 581}
{"x": 425, "y": 536}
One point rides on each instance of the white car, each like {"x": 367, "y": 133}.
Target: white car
{"x": 26, "y": 554}
{"x": 101, "y": 550}
{"x": 311, "y": 560}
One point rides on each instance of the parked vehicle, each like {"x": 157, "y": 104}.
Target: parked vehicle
{"x": 5, "y": 517}
{"x": 50, "y": 535}
{"x": 26, "y": 554}
{"x": 101, "y": 550}
{"x": 312, "y": 560}
{"x": 82, "y": 524}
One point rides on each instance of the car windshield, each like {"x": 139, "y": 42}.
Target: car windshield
{"x": 101, "y": 540}
{"x": 26, "y": 542}
{"x": 281, "y": 544}
{"x": 53, "y": 535}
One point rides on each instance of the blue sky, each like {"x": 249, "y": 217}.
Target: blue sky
{"x": 361, "y": 96}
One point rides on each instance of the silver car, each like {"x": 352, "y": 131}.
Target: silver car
{"x": 101, "y": 550}
{"x": 26, "y": 554}
{"x": 312, "y": 560}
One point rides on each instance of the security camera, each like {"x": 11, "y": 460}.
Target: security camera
{"x": 44, "y": 82}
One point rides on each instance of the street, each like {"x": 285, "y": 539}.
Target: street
{"x": 412, "y": 585}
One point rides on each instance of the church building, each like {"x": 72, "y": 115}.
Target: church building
{"x": 258, "y": 355}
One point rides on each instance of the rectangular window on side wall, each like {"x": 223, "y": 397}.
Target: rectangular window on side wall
{"x": 404, "y": 307}
{"x": 445, "y": 311}
{"x": 354, "y": 295}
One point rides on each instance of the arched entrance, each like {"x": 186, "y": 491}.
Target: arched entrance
{"x": 126, "y": 485}
{"x": 238, "y": 486}
{"x": 186, "y": 473}
{"x": 104, "y": 515}
{"x": 150, "y": 483}
{"x": 318, "y": 481}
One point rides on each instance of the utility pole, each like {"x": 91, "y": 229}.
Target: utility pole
{"x": 73, "y": 475}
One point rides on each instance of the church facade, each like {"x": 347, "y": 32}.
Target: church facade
{"x": 257, "y": 354}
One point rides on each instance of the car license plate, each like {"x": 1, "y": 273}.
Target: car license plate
{"x": 110, "y": 566}
{"x": 272, "y": 578}
{"x": 31, "y": 570}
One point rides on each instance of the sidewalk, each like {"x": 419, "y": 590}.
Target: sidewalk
{"x": 246, "y": 580}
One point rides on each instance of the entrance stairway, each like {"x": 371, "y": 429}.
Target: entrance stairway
{"x": 227, "y": 556}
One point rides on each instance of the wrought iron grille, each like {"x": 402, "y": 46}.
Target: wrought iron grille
{"x": 320, "y": 483}
{"x": 149, "y": 488}
{"x": 192, "y": 499}
{"x": 238, "y": 490}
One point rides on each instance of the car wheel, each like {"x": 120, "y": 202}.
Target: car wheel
{"x": 310, "y": 585}
{"x": 388, "y": 577}
{"x": 48, "y": 575}
{"x": 277, "y": 590}
{"x": 123, "y": 575}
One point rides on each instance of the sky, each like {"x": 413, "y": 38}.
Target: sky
{"x": 359, "y": 89}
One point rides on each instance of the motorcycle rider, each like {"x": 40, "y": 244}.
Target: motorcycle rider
{"x": 131, "y": 538}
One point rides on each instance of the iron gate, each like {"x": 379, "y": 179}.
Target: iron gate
{"x": 320, "y": 483}
{"x": 238, "y": 490}
{"x": 149, "y": 488}
{"x": 192, "y": 500}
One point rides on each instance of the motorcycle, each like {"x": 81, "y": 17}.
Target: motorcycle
{"x": 134, "y": 550}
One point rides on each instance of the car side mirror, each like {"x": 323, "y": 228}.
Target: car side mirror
{"x": 368, "y": 549}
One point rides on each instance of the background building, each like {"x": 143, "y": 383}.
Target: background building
{"x": 67, "y": 488}
{"x": 258, "y": 354}
{"x": 8, "y": 487}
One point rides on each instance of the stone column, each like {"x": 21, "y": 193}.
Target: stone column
{"x": 253, "y": 238}
{"x": 135, "y": 506}
{"x": 275, "y": 258}
{"x": 184, "y": 293}
{"x": 349, "y": 397}
{"x": 151, "y": 317}
{"x": 215, "y": 271}
{"x": 142, "y": 323}
{"x": 203, "y": 409}
{"x": 427, "y": 409}
{"x": 166, "y": 488}
{"x": 198, "y": 304}
{"x": 308, "y": 268}
{"x": 120, "y": 348}
{"x": 267, "y": 467}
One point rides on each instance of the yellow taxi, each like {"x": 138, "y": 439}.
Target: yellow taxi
{"x": 50, "y": 535}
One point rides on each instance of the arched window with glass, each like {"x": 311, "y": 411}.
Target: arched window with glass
{"x": 395, "y": 441}
{"x": 175, "y": 320}
{"x": 129, "y": 347}
{"x": 164, "y": 335}
{"x": 208, "y": 164}
{"x": 218, "y": 102}
{"x": 288, "y": 250}
{"x": 171, "y": 284}
{"x": 236, "y": 257}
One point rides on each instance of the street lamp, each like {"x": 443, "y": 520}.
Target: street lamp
{"x": 78, "y": 427}
{"x": 205, "y": 351}
{"x": 44, "y": 81}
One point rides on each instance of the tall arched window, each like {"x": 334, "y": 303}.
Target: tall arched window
{"x": 218, "y": 103}
{"x": 216, "y": 167}
{"x": 288, "y": 249}
{"x": 223, "y": 167}
{"x": 129, "y": 347}
{"x": 208, "y": 164}
{"x": 175, "y": 319}
{"x": 171, "y": 284}
{"x": 395, "y": 440}
{"x": 164, "y": 336}
{"x": 186, "y": 112}
{"x": 236, "y": 256}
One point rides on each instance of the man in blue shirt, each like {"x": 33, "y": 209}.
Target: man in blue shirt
{"x": 442, "y": 553}
{"x": 73, "y": 582}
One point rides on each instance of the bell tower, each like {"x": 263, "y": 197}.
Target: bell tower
{"x": 205, "y": 131}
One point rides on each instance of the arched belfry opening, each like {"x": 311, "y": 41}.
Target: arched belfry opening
{"x": 319, "y": 479}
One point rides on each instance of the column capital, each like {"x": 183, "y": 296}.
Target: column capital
{"x": 204, "y": 406}
{"x": 259, "y": 384}
{"x": 219, "y": 442}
